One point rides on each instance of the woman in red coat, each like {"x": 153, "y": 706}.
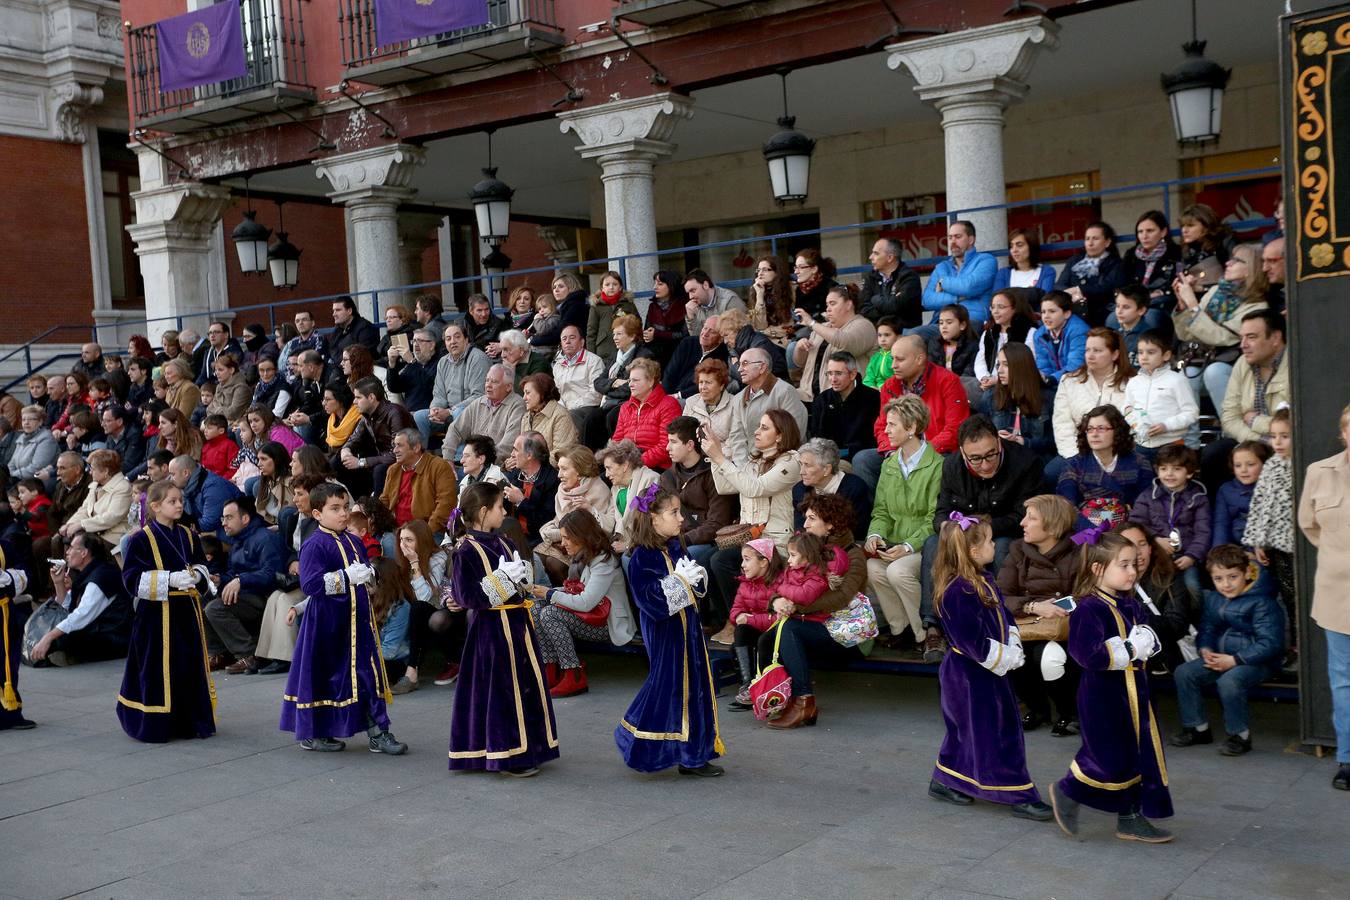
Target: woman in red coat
{"x": 646, "y": 413}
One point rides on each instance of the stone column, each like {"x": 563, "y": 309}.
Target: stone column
{"x": 416, "y": 232}
{"x": 371, "y": 184}
{"x": 971, "y": 77}
{"x": 626, "y": 138}
{"x": 562, "y": 251}
{"x": 175, "y": 221}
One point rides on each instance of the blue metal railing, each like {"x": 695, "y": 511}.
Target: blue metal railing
{"x": 369, "y": 302}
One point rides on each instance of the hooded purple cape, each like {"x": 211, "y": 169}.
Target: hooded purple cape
{"x": 983, "y": 754}
{"x": 337, "y": 684}
{"x": 1120, "y": 767}
{"x": 503, "y": 717}
{"x": 166, "y": 691}
{"x": 673, "y": 718}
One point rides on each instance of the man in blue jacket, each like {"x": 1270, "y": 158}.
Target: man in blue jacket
{"x": 235, "y": 615}
{"x": 204, "y": 493}
{"x": 966, "y": 276}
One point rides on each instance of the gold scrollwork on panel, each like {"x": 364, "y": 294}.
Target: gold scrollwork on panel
{"x": 1314, "y": 126}
{"x": 1318, "y": 247}
{"x": 1315, "y": 223}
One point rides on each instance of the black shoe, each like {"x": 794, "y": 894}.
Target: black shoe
{"x": 1236, "y": 745}
{"x": 1064, "y": 728}
{"x": 21, "y": 725}
{"x": 1189, "y": 737}
{"x": 323, "y": 745}
{"x": 1341, "y": 780}
{"x": 384, "y": 742}
{"x": 1032, "y": 721}
{"x": 942, "y": 792}
{"x": 1134, "y": 827}
{"x": 707, "y": 770}
{"x": 1066, "y": 811}
{"x": 529, "y": 772}
{"x": 934, "y": 646}
{"x": 1035, "y": 811}
{"x": 275, "y": 667}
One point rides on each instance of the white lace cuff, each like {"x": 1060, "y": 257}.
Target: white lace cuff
{"x": 334, "y": 583}
{"x": 1120, "y": 657}
{"x": 301, "y": 607}
{"x": 497, "y": 590}
{"x": 678, "y": 593}
{"x": 154, "y": 585}
{"x": 19, "y": 578}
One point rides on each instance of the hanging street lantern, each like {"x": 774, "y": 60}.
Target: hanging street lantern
{"x": 788, "y": 154}
{"x": 250, "y": 242}
{"x": 283, "y": 258}
{"x": 1195, "y": 90}
{"x": 491, "y": 200}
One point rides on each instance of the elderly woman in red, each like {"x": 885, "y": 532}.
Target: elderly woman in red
{"x": 644, "y": 415}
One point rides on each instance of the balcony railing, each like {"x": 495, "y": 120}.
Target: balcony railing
{"x": 513, "y": 27}
{"x": 274, "y": 46}
{"x": 663, "y": 12}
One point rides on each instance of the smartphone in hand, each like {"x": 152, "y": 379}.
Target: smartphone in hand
{"x": 1068, "y": 604}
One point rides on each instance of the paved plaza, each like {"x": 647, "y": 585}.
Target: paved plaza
{"x": 835, "y": 811}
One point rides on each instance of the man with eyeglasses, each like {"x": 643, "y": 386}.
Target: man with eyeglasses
{"x": 412, "y": 370}
{"x": 764, "y": 391}
{"x": 987, "y": 477}
{"x": 219, "y": 342}
{"x": 891, "y": 288}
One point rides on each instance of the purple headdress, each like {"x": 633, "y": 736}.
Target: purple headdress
{"x": 644, "y": 500}
{"x": 963, "y": 520}
{"x": 1091, "y": 535}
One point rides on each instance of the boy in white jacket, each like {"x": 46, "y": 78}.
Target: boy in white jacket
{"x": 1159, "y": 402}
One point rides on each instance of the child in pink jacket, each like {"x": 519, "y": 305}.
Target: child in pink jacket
{"x": 761, "y": 567}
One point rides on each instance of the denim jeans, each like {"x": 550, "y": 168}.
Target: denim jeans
{"x": 1213, "y": 378}
{"x": 422, "y": 419}
{"x": 1338, "y": 671}
{"x": 803, "y": 643}
{"x": 1234, "y": 685}
{"x": 867, "y": 466}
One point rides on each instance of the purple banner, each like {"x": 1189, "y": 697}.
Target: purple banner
{"x": 404, "y": 20}
{"x": 202, "y": 47}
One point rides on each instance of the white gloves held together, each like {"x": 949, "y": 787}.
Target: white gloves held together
{"x": 691, "y": 572}
{"x": 359, "y": 573}
{"x": 182, "y": 581}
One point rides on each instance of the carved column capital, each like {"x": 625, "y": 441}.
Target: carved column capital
{"x": 992, "y": 61}
{"x": 376, "y": 173}
{"x": 641, "y": 126}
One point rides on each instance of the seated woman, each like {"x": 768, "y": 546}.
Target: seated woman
{"x": 273, "y": 493}
{"x": 1091, "y": 277}
{"x": 1099, "y": 381}
{"x": 479, "y": 460}
{"x": 592, "y": 604}
{"x": 715, "y": 409}
{"x": 643, "y": 417}
{"x": 579, "y": 487}
{"x": 902, "y": 518}
{"x": 232, "y": 390}
{"x": 805, "y": 641}
{"x": 613, "y": 385}
{"x": 1208, "y": 325}
{"x": 819, "y": 460}
{"x": 431, "y": 623}
{"x": 545, "y": 414}
{"x": 628, "y": 478}
{"x": 1175, "y": 611}
{"x": 1203, "y": 235}
{"x": 1025, "y": 269}
{"x": 1019, "y": 408}
{"x": 262, "y": 426}
{"x": 769, "y": 299}
{"x": 1154, "y": 262}
{"x": 1040, "y": 568}
{"x": 340, "y": 420}
{"x": 1010, "y": 320}
{"x": 666, "y": 323}
{"x": 103, "y": 514}
{"x": 1108, "y": 473}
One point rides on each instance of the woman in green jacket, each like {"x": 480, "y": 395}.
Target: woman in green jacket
{"x": 902, "y": 517}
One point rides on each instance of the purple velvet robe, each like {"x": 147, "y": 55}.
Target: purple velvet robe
{"x": 337, "y": 684}
{"x": 12, "y": 619}
{"x": 1120, "y": 767}
{"x": 673, "y": 718}
{"x": 503, "y": 717}
{"x": 167, "y": 690}
{"x": 983, "y": 754}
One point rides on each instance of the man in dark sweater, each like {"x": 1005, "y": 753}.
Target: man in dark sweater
{"x": 704, "y": 509}
{"x": 844, "y": 412}
{"x": 987, "y": 476}
{"x": 412, "y": 372}
{"x": 891, "y": 288}
{"x": 99, "y": 622}
{"x": 681, "y": 381}
{"x": 534, "y": 484}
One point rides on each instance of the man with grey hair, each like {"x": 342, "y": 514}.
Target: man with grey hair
{"x": 891, "y": 288}
{"x": 204, "y": 493}
{"x": 195, "y": 346}
{"x": 764, "y": 391}
{"x": 412, "y": 370}
{"x": 497, "y": 414}
{"x": 518, "y": 359}
{"x": 819, "y": 459}
{"x": 846, "y": 409}
{"x": 534, "y": 484}
{"x": 419, "y": 485}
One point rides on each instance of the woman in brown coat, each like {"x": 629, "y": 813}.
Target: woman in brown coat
{"x": 1040, "y": 568}
{"x": 183, "y": 395}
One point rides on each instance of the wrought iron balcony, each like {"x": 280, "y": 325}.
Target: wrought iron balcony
{"x": 274, "y": 47}
{"x": 664, "y": 12}
{"x": 514, "y": 27}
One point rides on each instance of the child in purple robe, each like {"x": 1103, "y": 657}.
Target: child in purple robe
{"x": 13, "y": 582}
{"x": 502, "y": 719}
{"x": 1120, "y": 767}
{"x": 337, "y": 684}
{"x": 984, "y": 754}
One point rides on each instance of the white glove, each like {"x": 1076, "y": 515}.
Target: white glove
{"x": 1015, "y": 638}
{"x": 1003, "y": 658}
{"x": 691, "y": 571}
{"x": 5, "y": 580}
{"x": 1144, "y": 640}
{"x": 515, "y": 570}
{"x": 182, "y": 581}
{"x": 1053, "y": 661}
{"x": 359, "y": 573}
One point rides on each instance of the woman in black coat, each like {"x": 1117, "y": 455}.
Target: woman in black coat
{"x": 1092, "y": 276}
{"x": 1154, "y": 260}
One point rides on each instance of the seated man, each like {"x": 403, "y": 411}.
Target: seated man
{"x": 412, "y": 372}
{"x": 234, "y": 616}
{"x": 574, "y": 373}
{"x": 421, "y": 485}
{"x": 690, "y": 478}
{"x": 519, "y": 361}
{"x": 124, "y": 436}
{"x": 534, "y": 485}
{"x": 764, "y": 391}
{"x": 369, "y": 451}
{"x": 482, "y": 327}
{"x": 497, "y": 414}
{"x": 73, "y": 484}
{"x": 844, "y": 412}
{"x": 680, "y": 381}
{"x": 1258, "y": 387}
{"x": 459, "y": 378}
{"x": 204, "y": 493}
{"x": 90, "y": 587}
{"x": 1241, "y": 644}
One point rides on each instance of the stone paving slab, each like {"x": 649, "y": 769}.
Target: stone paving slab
{"x": 835, "y": 811}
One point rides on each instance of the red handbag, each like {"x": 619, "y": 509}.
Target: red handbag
{"x": 597, "y": 616}
{"x": 771, "y": 690}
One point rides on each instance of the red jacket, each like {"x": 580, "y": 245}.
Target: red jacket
{"x": 948, "y": 406}
{"x": 644, "y": 422}
{"x": 218, "y": 454}
{"x": 752, "y": 598}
